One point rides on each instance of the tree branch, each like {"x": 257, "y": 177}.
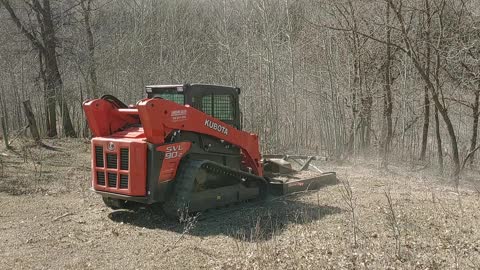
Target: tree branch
{"x": 469, "y": 155}
{"x": 35, "y": 42}
{"x": 359, "y": 33}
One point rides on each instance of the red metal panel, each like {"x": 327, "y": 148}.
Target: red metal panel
{"x": 134, "y": 132}
{"x": 173, "y": 154}
{"x": 137, "y": 169}
{"x": 159, "y": 117}
{"x": 104, "y": 118}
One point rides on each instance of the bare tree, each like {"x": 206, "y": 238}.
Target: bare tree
{"x": 340, "y": 79}
{"x": 427, "y": 20}
{"x": 92, "y": 71}
{"x": 46, "y": 44}
{"x": 387, "y": 96}
{"x": 434, "y": 87}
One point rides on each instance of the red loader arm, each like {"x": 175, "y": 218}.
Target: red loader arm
{"x": 104, "y": 118}
{"x": 160, "y": 117}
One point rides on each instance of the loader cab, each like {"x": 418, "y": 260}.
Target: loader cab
{"x": 221, "y": 102}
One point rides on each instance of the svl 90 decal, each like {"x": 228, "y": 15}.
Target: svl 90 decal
{"x": 174, "y": 151}
{"x": 173, "y": 154}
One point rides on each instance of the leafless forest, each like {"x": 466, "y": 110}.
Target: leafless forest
{"x": 340, "y": 78}
{"x": 388, "y": 90}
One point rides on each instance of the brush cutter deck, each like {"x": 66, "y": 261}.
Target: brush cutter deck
{"x": 285, "y": 178}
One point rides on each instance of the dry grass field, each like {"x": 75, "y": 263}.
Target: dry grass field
{"x": 400, "y": 218}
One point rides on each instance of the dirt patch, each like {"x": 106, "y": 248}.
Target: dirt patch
{"x": 61, "y": 167}
{"x": 395, "y": 219}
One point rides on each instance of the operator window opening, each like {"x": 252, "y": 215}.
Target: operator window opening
{"x": 218, "y": 106}
{"x": 175, "y": 97}
{"x": 171, "y": 94}
{"x": 220, "y": 102}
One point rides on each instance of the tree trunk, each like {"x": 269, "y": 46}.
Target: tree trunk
{"x": 426, "y": 98}
{"x": 68, "y": 129}
{"x": 367, "y": 115}
{"x": 31, "y": 121}
{"x": 426, "y": 123}
{"x": 4, "y": 132}
{"x": 441, "y": 105}
{"x": 439, "y": 142}
{"x": 86, "y": 7}
{"x": 475, "y": 109}
{"x": 54, "y": 79}
{"x": 387, "y": 97}
{"x": 50, "y": 63}
{"x": 46, "y": 47}
{"x": 435, "y": 90}
{"x": 36, "y": 43}
{"x": 49, "y": 107}
{"x": 357, "y": 85}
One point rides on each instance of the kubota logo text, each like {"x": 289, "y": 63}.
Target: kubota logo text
{"x": 216, "y": 127}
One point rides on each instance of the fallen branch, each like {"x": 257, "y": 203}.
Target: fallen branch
{"x": 62, "y": 216}
{"x": 21, "y": 131}
{"x": 469, "y": 155}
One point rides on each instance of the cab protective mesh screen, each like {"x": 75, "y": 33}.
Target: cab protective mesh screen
{"x": 175, "y": 97}
{"x": 218, "y": 106}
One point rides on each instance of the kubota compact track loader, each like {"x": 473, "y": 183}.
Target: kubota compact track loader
{"x": 183, "y": 146}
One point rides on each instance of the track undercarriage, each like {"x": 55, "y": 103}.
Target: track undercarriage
{"x": 203, "y": 184}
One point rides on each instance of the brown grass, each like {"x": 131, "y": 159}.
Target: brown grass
{"x": 402, "y": 220}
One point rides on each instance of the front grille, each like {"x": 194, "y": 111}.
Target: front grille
{"x": 111, "y": 161}
{"x": 124, "y": 159}
{"x": 99, "y": 156}
{"x": 101, "y": 178}
{"x": 112, "y": 179}
{"x": 123, "y": 181}
{"x": 112, "y": 168}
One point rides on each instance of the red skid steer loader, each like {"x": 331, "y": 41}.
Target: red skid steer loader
{"x": 183, "y": 146}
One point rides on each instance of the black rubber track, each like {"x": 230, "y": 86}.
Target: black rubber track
{"x": 177, "y": 205}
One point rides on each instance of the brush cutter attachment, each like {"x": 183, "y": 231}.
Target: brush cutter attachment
{"x": 299, "y": 175}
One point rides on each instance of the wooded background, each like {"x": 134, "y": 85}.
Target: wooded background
{"x": 396, "y": 80}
